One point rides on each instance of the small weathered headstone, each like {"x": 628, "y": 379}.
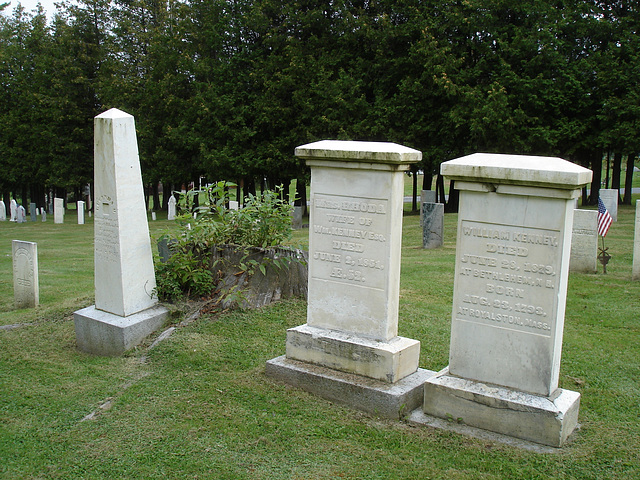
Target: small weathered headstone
{"x": 171, "y": 208}
{"x": 22, "y": 214}
{"x": 80, "y": 208}
{"x": 512, "y": 266}
{"x": 584, "y": 242}
{"x": 58, "y": 210}
{"x": 635, "y": 273}
{"x": 26, "y": 290}
{"x": 3, "y": 211}
{"x": 126, "y": 310}
{"x": 432, "y": 225}
{"x": 296, "y": 217}
{"x": 13, "y": 208}
{"x": 153, "y": 216}
{"x": 233, "y": 205}
{"x": 33, "y": 211}
{"x": 44, "y": 215}
{"x": 609, "y": 197}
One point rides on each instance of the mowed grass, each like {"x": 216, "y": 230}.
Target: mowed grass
{"x": 199, "y": 406}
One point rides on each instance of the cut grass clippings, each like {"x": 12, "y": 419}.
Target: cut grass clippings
{"x": 198, "y": 405}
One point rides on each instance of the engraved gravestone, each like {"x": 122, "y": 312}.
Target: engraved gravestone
{"x": 355, "y": 237}
{"x": 125, "y": 311}
{"x": 13, "y": 208}
{"x": 80, "y": 208}
{"x": 26, "y": 290}
{"x": 58, "y": 210}
{"x": 22, "y": 214}
{"x": 3, "y": 211}
{"x": 171, "y": 208}
{"x": 584, "y": 242}
{"x": 432, "y": 225}
{"x": 512, "y": 261}
{"x": 609, "y": 197}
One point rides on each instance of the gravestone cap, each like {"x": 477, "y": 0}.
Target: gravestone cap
{"x": 355, "y": 151}
{"x": 550, "y": 172}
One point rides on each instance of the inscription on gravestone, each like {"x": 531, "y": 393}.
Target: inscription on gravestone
{"x": 508, "y": 274}
{"x": 25, "y": 274}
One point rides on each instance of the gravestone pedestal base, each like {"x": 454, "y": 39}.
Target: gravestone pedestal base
{"x": 545, "y": 420}
{"x": 384, "y": 361}
{"x": 388, "y": 400}
{"x": 102, "y": 333}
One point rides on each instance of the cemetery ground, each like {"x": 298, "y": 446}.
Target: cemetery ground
{"x": 198, "y": 404}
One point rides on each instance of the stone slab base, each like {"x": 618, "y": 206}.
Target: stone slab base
{"x": 103, "y": 333}
{"x": 385, "y": 361}
{"x": 544, "y": 420}
{"x": 372, "y": 396}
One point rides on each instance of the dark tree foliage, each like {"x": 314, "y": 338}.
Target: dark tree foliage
{"x": 226, "y": 89}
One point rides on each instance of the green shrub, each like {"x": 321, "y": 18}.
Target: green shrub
{"x": 264, "y": 221}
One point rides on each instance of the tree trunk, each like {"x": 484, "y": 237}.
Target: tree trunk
{"x": 617, "y": 168}
{"x": 427, "y": 180}
{"x": 628, "y": 179}
{"x": 414, "y": 194}
{"x": 596, "y": 167}
{"x": 156, "y": 196}
{"x": 440, "y": 189}
{"x": 301, "y": 195}
{"x": 606, "y": 177}
{"x": 166, "y": 191}
{"x": 454, "y": 199}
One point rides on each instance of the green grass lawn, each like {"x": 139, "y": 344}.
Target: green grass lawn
{"x": 199, "y": 406}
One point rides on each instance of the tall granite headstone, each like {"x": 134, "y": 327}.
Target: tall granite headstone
{"x": 584, "y": 242}
{"x": 609, "y": 197}
{"x": 355, "y": 239}
{"x": 26, "y": 289}
{"x": 33, "y": 210}
{"x": 58, "y": 210}
{"x": 635, "y": 272}
{"x": 125, "y": 311}
{"x": 512, "y": 261}
{"x": 432, "y": 225}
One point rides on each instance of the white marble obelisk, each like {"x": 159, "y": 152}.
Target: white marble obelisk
{"x": 125, "y": 311}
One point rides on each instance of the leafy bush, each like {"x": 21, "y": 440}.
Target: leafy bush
{"x": 264, "y": 221}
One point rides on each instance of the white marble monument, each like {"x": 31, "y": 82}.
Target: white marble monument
{"x": 171, "y": 208}
{"x": 26, "y": 289}
{"x": 355, "y": 238}
{"x": 512, "y": 261}
{"x": 80, "y": 208}
{"x": 609, "y": 197}
{"x": 13, "y": 209}
{"x": 125, "y": 311}
{"x": 58, "y": 210}
{"x": 584, "y": 242}
{"x": 3, "y": 211}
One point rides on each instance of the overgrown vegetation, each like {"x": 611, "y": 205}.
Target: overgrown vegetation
{"x": 194, "y": 268}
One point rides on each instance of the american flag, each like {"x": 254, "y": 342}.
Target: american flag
{"x": 604, "y": 219}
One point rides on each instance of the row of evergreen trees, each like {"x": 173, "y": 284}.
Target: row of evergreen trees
{"x": 228, "y": 88}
